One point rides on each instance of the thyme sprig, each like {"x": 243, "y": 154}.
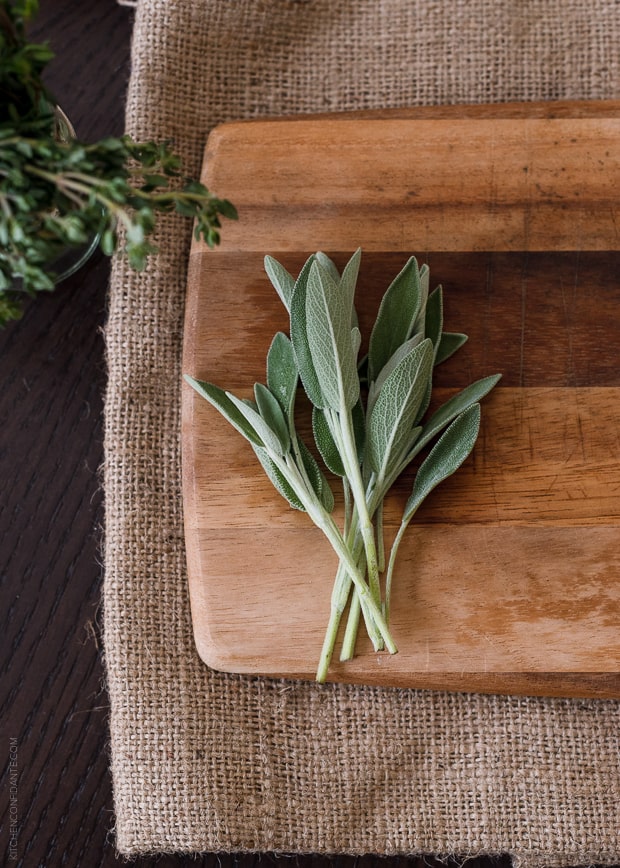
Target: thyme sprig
{"x": 369, "y": 423}
{"x": 58, "y": 193}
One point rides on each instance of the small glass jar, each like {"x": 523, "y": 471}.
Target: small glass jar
{"x": 73, "y": 258}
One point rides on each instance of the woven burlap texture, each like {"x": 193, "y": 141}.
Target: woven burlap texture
{"x": 203, "y": 761}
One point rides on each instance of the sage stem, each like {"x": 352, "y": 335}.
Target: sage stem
{"x": 350, "y": 634}
{"x": 390, "y": 569}
{"x": 325, "y": 523}
{"x": 342, "y": 429}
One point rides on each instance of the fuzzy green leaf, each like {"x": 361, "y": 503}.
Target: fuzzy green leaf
{"x": 396, "y": 407}
{"x": 269, "y": 438}
{"x": 348, "y": 282}
{"x": 425, "y": 275}
{"x": 271, "y": 412}
{"x": 356, "y": 342}
{"x": 397, "y": 313}
{"x": 328, "y": 319}
{"x": 282, "y": 281}
{"x": 279, "y": 482}
{"x": 299, "y": 338}
{"x": 455, "y": 405}
{"x": 219, "y": 399}
{"x": 282, "y": 374}
{"x": 409, "y": 453}
{"x": 317, "y": 479}
{"x": 448, "y": 454}
{"x": 401, "y": 352}
{"x": 425, "y": 403}
{"x": 328, "y": 264}
{"x": 449, "y": 343}
{"x": 433, "y": 318}
{"x": 325, "y": 443}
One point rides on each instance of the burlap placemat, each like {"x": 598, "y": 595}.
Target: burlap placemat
{"x": 203, "y": 761}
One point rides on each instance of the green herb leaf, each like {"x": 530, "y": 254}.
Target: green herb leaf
{"x": 448, "y": 454}
{"x": 328, "y": 264}
{"x": 449, "y": 343}
{"x": 272, "y": 413}
{"x": 219, "y": 399}
{"x": 456, "y": 405}
{"x": 325, "y": 443}
{"x": 397, "y": 313}
{"x": 409, "y": 453}
{"x": 425, "y": 275}
{"x": 282, "y": 374}
{"x": 299, "y": 338}
{"x": 396, "y": 407}
{"x": 376, "y": 386}
{"x": 270, "y": 438}
{"x": 279, "y": 482}
{"x": 328, "y": 322}
{"x": 348, "y": 282}
{"x": 282, "y": 281}
{"x": 356, "y": 341}
{"x": 317, "y": 479}
{"x": 433, "y": 318}
{"x": 60, "y": 194}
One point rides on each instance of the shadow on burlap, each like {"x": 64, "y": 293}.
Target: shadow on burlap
{"x": 203, "y": 761}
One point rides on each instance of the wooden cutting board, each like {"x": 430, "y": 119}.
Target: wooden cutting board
{"x": 510, "y": 579}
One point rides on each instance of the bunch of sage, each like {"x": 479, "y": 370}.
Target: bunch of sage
{"x": 368, "y": 419}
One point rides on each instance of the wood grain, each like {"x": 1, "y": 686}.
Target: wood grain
{"x": 510, "y": 581}
{"x": 424, "y": 184}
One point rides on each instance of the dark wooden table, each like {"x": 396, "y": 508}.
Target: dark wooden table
{"x": 54, "y": 706}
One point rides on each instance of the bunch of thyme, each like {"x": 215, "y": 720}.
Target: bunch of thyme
{"x": 369, "y": 422}
{"x": 58, "y": 193}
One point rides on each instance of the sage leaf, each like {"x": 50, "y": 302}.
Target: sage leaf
{"x": 281, "y": 485}
{"x": 348, "y": 282}
{"x": 424, "y": 275}
{"x": 282, "y": 374}
{"x": 456, "y": 405}
{"x": 433, "y": 318}
{"x": 401, "y": 352}
{"x": 272, "y": 413}
{"x": 282, "y": 281}
{"x": 219, "y": 399}
{"x": 396, "y": 407}
{"x": 328, "y": 321}
{"x": 409, "y": 453}
{"x": 449, "y": 343}
{"x": 299, "y": 338}
{"x": 328, "y": 264}
{"x": 397, "y": 313}
{"x": 325, "y": 441}
{"x": 446, "y": 456}
{"x": 356, "y": 341}
{"x": 425, "y": 403}
{"x": 269, "y": 438}
{"x": 316, "y": 477}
